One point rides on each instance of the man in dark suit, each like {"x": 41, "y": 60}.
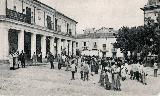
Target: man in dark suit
{"x": 22, "y": 59}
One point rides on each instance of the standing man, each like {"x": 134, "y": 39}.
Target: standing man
{"x": 155, "y": 66}
{"x": 51, "y": 59}
{"x": 86, "y": 71}
{"x": 63, "y": 60}
{"x": 73, "y": 69}
{"x": 81, "y": 70}
{"x": 34, "y": 58}
{"x": 59, "y": 62}
{"x": 22, "y": 57}
{"x": 40, "y": 57}
{"x": 103, "y": 63}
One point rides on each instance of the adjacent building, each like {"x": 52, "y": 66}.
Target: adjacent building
{"x": 98, "y": 42}
{"x": 151, "y": 10}
{"x": 32, "y": 26}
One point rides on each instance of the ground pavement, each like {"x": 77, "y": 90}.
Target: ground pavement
{"x": 42, "y": 81}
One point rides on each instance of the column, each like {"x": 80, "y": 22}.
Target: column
{"x": 65, "y": 44}
{"x": 43, "y": 46}
{"x": 67, "y": 47}
{"x": 62, "y": 40}
{"x": 3, "y": 7}
{"x": 52, "y": 49}
{"x": 4, "y": 49}
{"x": 74, "y": 48}
{"x": 59, "y": 44}
{"x": 70, "y": 48}
{"x": 33, "y": 43}
{"x": 21, "y": 40}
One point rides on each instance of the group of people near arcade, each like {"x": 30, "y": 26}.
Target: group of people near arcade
{"x": 16, "y": 60}
{"x": 112, "y": 71}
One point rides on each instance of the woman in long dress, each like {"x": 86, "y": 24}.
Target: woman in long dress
{"x": 123, "y": 72}
{"x": 11, "y": 61}
{"x": 144, "y": 75}
{"x": 117, "y": 78}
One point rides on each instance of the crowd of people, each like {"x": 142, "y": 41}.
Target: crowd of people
{"x": 112, "y": 71}
{"x": 17, "y": 59}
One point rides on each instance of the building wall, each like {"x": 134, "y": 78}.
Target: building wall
{"x": 63, "y": 21}
{"x": 40, "y": 13}
{"x": 153, "y": 14}
{"x": 99, "y": 41}
{"x": 39, "y": 18}
{"x": 151, "y": 10}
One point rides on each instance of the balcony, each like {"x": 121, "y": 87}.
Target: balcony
{"x": 11, "y": 14}
{"x": 26, "y": 19}
{"x": 84, "y": 48}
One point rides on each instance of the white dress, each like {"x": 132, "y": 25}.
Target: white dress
{"x": 11, "y": 60}
{"x": 123, "y": 71}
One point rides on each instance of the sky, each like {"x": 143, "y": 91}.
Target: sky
{"x": 101, "y": 13}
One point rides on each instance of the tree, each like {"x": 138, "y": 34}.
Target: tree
{"x": 141, "y": 39}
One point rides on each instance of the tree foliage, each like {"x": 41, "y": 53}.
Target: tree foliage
{"x": 142, "y": 39}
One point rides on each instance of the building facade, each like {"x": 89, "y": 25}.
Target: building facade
{"x": 32, "y": 26}
{"x": 151, "y": 10}
{"x": 98, "y": 42}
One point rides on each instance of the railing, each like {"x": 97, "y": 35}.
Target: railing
{"x": 85, "y": 48}
{"x": 11, "y": 14}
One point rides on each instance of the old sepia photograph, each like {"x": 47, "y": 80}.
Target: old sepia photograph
{"x": 79, "y": 47}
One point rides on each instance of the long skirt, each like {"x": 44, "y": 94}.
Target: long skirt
{"x": 117, "y": 83}
{"x": 144, "y": 78}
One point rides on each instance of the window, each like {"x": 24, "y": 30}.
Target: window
{"x": 14, "y": 8}
{"x": 28, "y": 15}
{"x": 70, "y": 32}
{"x": 84, "y": 43}
{"x": 49, "y": 22}
{"x": 95, "y": 44}
{"x": 56, "y": 21}
{"x": 104, "y": 46}
{"x": 67, "y": 28}
{"x": 77, "y": 44}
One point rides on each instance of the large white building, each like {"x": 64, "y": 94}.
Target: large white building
{"x": 98, "y": 42}
{"x": 32, "y": 26}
